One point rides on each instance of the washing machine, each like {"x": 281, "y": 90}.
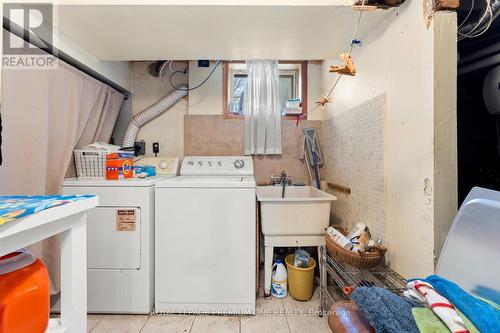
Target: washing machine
{"x": 120, "y": 241}
{"x": 205, "y": 237}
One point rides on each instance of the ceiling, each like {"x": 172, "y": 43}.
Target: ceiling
{"x": 152, "y": 32}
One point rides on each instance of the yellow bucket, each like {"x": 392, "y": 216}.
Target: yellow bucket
{"x": 300, "y": 280}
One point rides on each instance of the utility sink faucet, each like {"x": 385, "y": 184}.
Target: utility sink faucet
{"x": 282, "y": 180}
{"x": 279, "y": 180}
{"x": 283, "y": 183}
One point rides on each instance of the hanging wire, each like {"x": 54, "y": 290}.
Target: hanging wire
{"x": 477, "y": 34}
{"x": 487, "y": 26}
{"x": 351, "y": 46}
{"x": 198, "y": 85}
{"x": 162, "y": 68}
{"x": 468, "y": 15}
{"x": 354, "y": 35}
{"x": 170, "y": 66}
{"x": 472, "y": 33}
{"x": 480, "y": 21}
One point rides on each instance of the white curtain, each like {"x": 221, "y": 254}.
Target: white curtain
{"x": 262, "y": 108}
{"x": 45, "y": 114}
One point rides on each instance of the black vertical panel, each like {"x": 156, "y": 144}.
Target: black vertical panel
{"x": 478, "y": 153}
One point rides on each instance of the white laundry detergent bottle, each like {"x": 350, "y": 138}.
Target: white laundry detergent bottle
{"x": 279, "y": 280}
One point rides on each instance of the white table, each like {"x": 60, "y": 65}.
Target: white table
{"x": 70, "y": 222}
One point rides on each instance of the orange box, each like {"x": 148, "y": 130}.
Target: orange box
{"x": 24, "y": 299}
{"x": 120, "y": 165}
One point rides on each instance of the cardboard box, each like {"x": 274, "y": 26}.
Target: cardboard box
{"x": 119, "y": 164}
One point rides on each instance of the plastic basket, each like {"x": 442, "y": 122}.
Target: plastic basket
{"x": 90, "y": 163}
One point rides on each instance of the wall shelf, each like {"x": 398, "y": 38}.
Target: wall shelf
{"x": 339, "y": 188}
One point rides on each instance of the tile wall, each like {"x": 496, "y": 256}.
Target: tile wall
{"x": 354, "y": 157}
{"x": 217, "y": 135}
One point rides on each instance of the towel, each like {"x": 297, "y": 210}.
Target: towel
{"x": 489, "y": 301}
{"x": 428, "y": 322}
{"x": 484, "y": 316}
{"x": 470, "y": 326}
{"x": 415, "y": 298}
{"x": 386, "y": 311}
{"x": 439, "y": 305}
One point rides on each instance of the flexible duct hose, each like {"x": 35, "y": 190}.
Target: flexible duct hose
{"x": 140, "y": 119}
{"x": 495, "y": 11}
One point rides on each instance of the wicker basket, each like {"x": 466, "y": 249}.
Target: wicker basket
{"x": 365, "y": 260}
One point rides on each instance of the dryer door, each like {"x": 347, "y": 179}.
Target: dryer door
{"x": 114, "y": 238}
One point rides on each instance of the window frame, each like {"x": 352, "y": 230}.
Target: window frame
{"x": 227, "y": 95}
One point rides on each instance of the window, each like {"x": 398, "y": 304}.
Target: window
{"x": 292, "y": 85}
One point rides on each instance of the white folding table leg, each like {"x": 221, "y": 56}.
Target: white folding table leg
{"x": 268, "y": 266}
{"x": 74, "y": 276}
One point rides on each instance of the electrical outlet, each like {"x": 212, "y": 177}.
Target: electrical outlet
{"x": 203, "y": 63}
{"x": 156, "y": 148}
{"x": 140, "y": 148}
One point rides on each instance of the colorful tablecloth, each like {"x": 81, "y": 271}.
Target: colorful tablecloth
{"x": 15, "y": 207}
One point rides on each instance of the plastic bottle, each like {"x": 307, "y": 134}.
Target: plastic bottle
{"x": 279, "y": 280}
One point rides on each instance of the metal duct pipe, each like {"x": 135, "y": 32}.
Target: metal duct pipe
{"x": 139, "y": 120}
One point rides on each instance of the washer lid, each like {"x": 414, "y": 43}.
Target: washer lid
{"x": 136, "y": 182}
{"x": 208, "y": 181}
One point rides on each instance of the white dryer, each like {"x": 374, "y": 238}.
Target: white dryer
{"x": 120, "y": 242}
{"x": 205, "y": 238}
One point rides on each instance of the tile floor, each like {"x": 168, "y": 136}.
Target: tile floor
{"x": 273, "y": 315}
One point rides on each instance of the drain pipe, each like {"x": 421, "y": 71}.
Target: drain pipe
{"x": 142, "y": 118}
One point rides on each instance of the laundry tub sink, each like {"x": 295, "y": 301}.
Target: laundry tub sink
{"x": 297, "y": 219}
{"x": 304, "y": 210}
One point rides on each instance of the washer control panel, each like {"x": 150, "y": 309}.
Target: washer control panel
{"x": 217, "y": 166}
